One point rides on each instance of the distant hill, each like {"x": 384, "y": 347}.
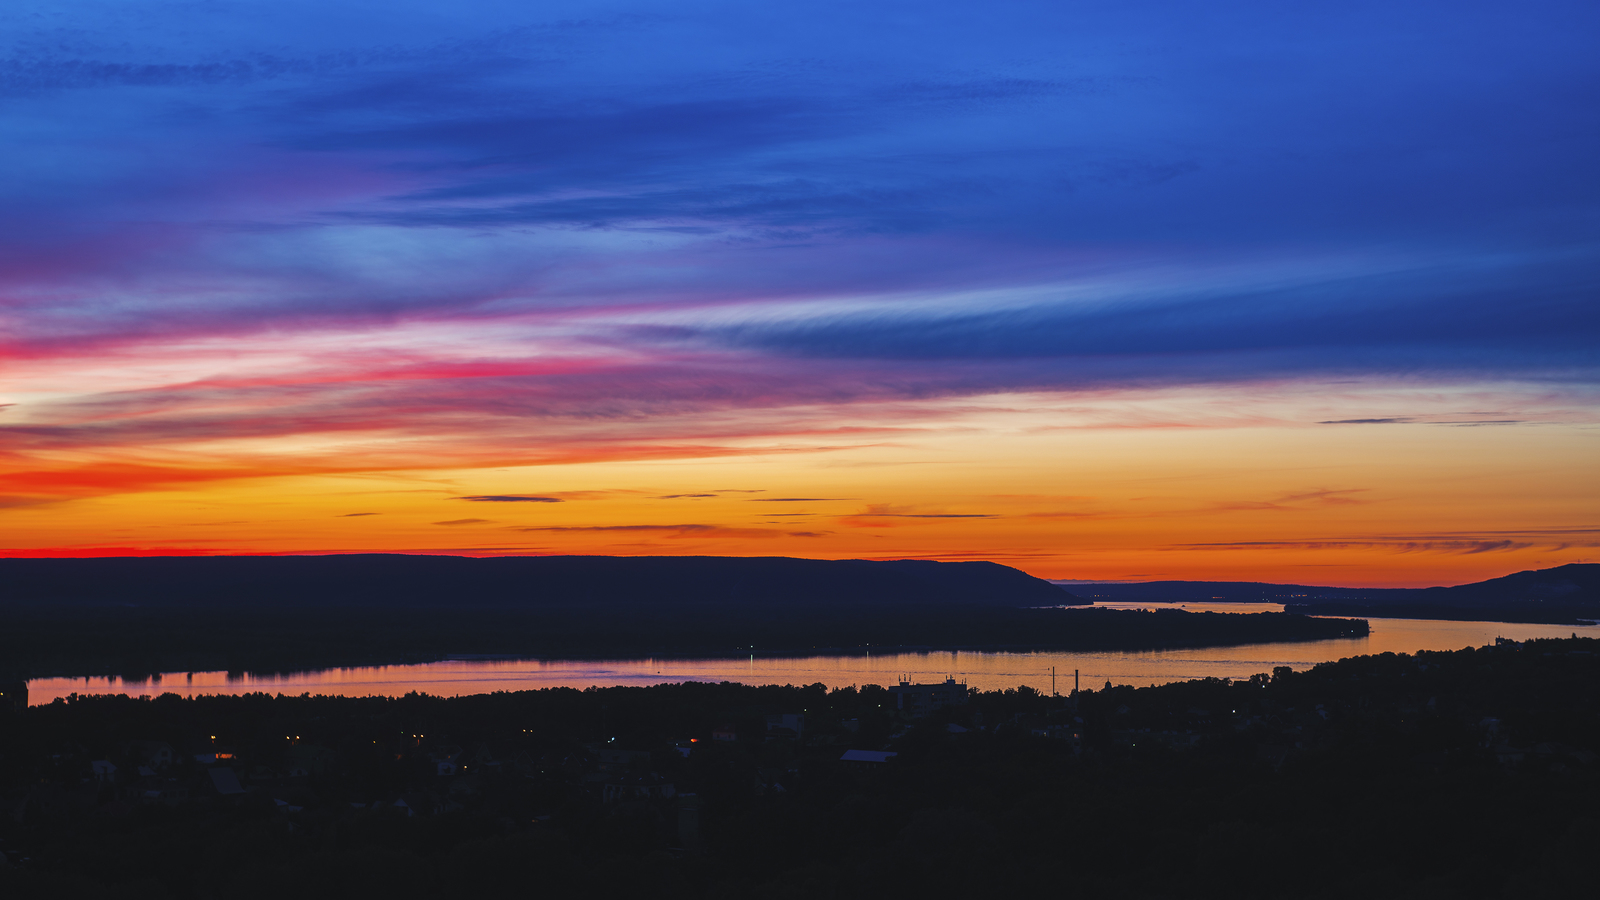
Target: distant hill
{"x": 522, "y": 582}
{"x": 1562, "y": 594}
{"x": 1577, "y": 584}
{"x": 1222, "y": 591}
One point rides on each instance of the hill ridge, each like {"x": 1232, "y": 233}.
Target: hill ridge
{"x": 1565, "y": 587}
{"x": 414, "y": 580}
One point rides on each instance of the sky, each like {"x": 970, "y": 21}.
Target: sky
{"x": 1239, "y": 290}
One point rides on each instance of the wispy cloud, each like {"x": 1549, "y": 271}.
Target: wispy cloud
{"x": 671, "y": 531}
{"x": 1400, "y": 545}
{"x": 1298, "y": 501}
{"x": 884, "y": 515}
{"x": 933, "y": 516}
{"x": 1407, "y": 420}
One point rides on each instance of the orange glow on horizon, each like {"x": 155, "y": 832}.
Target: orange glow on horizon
{"x": 1028, "y": 481}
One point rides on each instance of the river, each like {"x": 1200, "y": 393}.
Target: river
{"x": 982, "y": 671}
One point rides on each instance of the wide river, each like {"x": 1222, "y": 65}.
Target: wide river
{"x": 983, "y": 671}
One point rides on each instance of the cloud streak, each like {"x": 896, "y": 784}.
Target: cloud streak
{"x": 670, "y": 531}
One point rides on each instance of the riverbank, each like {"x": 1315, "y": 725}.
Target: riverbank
{"x": 1543, "y": 615}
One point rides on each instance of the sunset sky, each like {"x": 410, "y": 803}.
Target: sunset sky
{"x": 1256, "y": 291}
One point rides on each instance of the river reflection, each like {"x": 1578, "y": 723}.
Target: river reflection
{"x": 983, "y": 671}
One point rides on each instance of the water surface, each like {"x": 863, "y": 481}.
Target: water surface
{"x": 984, "y": 671}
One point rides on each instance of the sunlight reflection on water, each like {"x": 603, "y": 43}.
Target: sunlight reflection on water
{"x": 984, "y": 671}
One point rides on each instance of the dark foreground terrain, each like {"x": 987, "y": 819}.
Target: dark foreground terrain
{"x": 1464, "y": 774}
{"x": 136, "y": 617}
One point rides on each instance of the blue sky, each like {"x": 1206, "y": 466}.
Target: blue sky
{"x": 1388, "y": 172}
